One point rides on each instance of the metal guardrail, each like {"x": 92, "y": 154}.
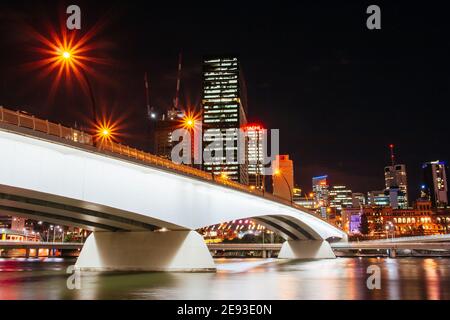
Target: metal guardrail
{"x": 390, "y": 245}
{"x": 39, "y": 245}
{"x": 245, "y": 246}
{"x": 432, "y": 238}
{"x": 22, "y": 119}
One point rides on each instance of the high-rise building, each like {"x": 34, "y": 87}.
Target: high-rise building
{"x": 164, "y": 127}
{"x": 340, "y": 197}
{"x": 283, "y": 177}
{"x": 434, "y": 185}
{"x": 395, "y": 177}
{"x": 223, "y": 114}
{"x": 255, "y": 154}
{"x": 320, "y": 189}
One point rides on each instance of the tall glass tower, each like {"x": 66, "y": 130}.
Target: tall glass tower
{"x": 223, "y": 114}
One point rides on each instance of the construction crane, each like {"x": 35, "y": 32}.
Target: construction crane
{"x": 176, "y": 101}
{"x": 151, "y": 114}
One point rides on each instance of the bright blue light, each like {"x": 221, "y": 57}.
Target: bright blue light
{"x": 422, "y": 186}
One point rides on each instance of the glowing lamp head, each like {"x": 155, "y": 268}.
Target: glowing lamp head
{"x": 105, "y": 132}
{"x": 66, "y": 55}
{"x": 277, "y": 172}
{"x": 188, "y": 122}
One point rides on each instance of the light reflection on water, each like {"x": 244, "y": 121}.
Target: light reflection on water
{"x": 342, "y": 278}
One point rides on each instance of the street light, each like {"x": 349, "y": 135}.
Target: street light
{"x": 69, "y": 60}
{"x": 278, "y": 173}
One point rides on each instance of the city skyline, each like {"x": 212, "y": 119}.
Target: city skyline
{"x": 316, "y": 130}
{"x": 224, "y": 151}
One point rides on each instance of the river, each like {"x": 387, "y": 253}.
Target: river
{"x": 342, "y": 278}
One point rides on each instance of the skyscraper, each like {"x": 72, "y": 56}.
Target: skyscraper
{"x": 283, "y": 177}
{"x": 396, "y": 182}
{"x": 255, "y": 154}
{"x": 395, "y": 177}
{"x": 223, "y": 114}
{"x": 434, "y": 185}
{"x": 163, "y": 132}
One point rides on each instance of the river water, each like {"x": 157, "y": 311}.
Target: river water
{"x": 342, "y": 278}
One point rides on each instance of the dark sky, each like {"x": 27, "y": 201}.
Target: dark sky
{"x": 338, "y": 92}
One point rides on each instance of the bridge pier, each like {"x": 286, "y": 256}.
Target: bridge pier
{"x": 306, "y": 249}
{"x": 392, "y": 253}
{"x": 182, "y": 251}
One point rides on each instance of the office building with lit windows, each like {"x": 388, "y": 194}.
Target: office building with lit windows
{"x": 255, "y": 154}
{"x": 320, "y": 189}
{"x": 434, "y": 183}
{"x": 223, "y": 115}
{"x": 395, "y": 177}
{"x": 378, "y": 198}
{"x": 340, "y": 197}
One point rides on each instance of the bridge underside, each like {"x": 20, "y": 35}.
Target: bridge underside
{"x": 59, "y": 210}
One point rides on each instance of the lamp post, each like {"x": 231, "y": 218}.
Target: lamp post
{"x": 67, "y": 57}
{"x": 189, "y": 124}
{"x": 278, "y": 173}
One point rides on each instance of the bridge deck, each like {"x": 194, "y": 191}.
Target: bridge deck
{"x": 44, "y": 129}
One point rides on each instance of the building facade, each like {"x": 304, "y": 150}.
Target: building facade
{"x": 395, "y": 177}
{"x": 255, "y": 154}
{"x": 421, "y": 219}
{"x": 283, "y": 177}
{"x": 321, "y": 190}
{"x": 223, "y": 115}
{"x": 434, "y": 185}
{"x": 164, "y": 127}
{"x": 340, "y": 197}
{"x": 358, "y": 199}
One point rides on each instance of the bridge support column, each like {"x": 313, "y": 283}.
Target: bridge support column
{"x": 306, "y": 249}
{"x": 183, "y": 251}
{"x": 392, "y": 253}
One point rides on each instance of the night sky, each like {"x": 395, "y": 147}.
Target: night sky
{"x": 338, "y": 92}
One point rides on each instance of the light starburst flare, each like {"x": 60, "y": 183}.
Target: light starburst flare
{"x": 66, "y": 54}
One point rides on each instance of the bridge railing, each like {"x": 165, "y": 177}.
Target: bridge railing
{"x": 25, "y": 120}
{"x": 22, "y": 119}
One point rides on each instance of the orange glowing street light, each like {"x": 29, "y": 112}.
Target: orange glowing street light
{"x": 70, "y": 61}
{"x": 68, "y": 56}
{"x": 190, "y": 120}
{"x": 105, "y": 132}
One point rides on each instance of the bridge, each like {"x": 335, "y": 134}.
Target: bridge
{"x": 436, "y": 242}
{"x": 141, "y": 208}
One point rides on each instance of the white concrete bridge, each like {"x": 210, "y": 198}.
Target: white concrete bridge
{"x": 53, "y": 173}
